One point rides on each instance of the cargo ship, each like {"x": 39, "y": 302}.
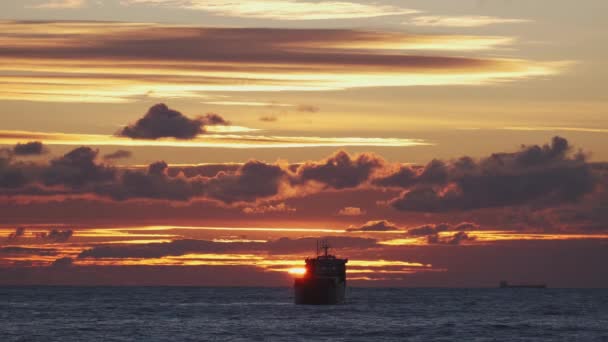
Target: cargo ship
{"x": 324, "y": 281}
{"x": 505, "y": 285}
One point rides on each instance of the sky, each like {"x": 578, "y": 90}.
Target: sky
{"x": 190, "y": 142}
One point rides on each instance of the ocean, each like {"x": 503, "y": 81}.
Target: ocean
{"x": 268, "y": 314}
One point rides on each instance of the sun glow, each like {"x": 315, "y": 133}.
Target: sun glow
{"x": 297, "y": 271}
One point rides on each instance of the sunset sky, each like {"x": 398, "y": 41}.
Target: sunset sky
{"x": 212, "y": 142}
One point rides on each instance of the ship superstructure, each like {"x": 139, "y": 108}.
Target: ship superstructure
{"x": 324, "y": 282}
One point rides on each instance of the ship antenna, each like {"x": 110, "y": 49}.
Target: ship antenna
{"x": 325, "y": 246}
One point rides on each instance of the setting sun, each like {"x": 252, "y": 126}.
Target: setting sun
{"x": 297, "y": 271}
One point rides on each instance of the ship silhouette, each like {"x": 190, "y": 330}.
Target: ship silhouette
{"x": 324, "y": 282}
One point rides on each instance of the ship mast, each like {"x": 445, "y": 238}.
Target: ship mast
{"x": 325, "y": 247}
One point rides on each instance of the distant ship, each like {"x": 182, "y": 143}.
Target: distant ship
{"x": 324, "y": 282}
{"x": 505, "y": 285}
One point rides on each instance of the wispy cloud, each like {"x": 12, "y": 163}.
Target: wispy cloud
{"x": 249, "y": 103}
{"x": 59, "y": 4}
{"x": 282, "y": 9}
{"x": 116, "y": 62}
{"x": 556, "y": 129}
{"x": 206, "y": 140}
{"x": 460, "y": 21}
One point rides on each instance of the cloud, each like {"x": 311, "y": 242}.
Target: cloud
{"x": 153, "y": 184}
{"x": 308, "y": 108}
{"x": 249, "y": 103}
{"x": 268, "y": 118}
{"x": 55, "y": 235}
{"x": 428, "y": 229}
{"x": 376, "y": 226}
{"x": 351, "y": 211}
{"x": 188, "y": 246}
{"x": 162, "y": 122}
{"x": 59, "y": 4}
{"x": 29, "y": 149}
{"x": 556, "y": 129}
{"x": 127, "y": 62}
{"x": 546, "y": 174}
{"x": 236, "y": 141}
{"x": 79, "y": 172}
{"x": 63, "y": 262}
{"x": 282, "y": 9}
{"x": 118, "y": 154}
{"x": 434, "y": 173}
{"x": 540, "y": 176}
{"x": 254, "y": 180}
{"x": 455, "y": 239}
{"x": 19, "y": 232}
{"x": 461, "y": 21}
{"x": 267, "y": 209}
{"x": 341, "y": 170}
{"x": 15, "y": 250}
{"x": 77, "y": 168}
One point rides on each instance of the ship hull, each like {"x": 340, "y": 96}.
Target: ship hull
{"x": 319, "y": 291}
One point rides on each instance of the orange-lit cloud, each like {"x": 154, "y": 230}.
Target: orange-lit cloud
{"x": 93, "y": 62}
{"x": 496, "y": 236}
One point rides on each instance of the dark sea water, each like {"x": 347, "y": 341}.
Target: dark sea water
{"x": 267, "y": 314}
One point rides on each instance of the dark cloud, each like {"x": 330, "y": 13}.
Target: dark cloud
{"x": 455, "y": 239}
{"x": 240, "y": 47}
{"x": 268, "y": 209}
{"x": 308, "y": 245}
{"x": 77, "y": 168}
{"x": 63, "y": 262}
{"x": 375, "y": 226}
{"x": 31, "y": 148}
{"x": 212, "y": 119}
{"x": 268, "y": 118}
{"x": 12, "y": 175}
{"x": 204, "y": 170}
{"x": 19, "y": 232}
{"x": 404, "y": 178}
{"x": 466, "y": 226}
{"x": 55, "y": 235}
{"x": 157, "y": 168}
{"x": 434, "y": 173}
{"x": 432, "y": 232}
{"x": 153, "y": 184}
{"x": 307, "y": 108}
{"x": 428, "y": 229}
{"x": 541, "y": 174}
{"x": 252, "y": 181}
{"x": 340, "y": 171}
{"x": 118, "y": 154}
{"x": 182, "y": 247}
{"x": 14, "y": 250}
{"x": 162, "y": 122}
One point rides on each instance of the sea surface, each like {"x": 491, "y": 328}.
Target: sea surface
{"x": 268, "y": 314}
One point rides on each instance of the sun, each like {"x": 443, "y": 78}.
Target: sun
{"x": 297, "y": 271}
